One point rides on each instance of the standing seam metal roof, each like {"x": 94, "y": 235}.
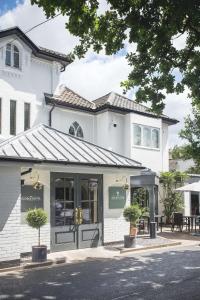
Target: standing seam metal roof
{"x": 46, "y": 144}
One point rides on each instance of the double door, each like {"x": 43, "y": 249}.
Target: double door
{"x": 76, "y": 211}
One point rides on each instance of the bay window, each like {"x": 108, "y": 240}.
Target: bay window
{"x": 146, "y": 136}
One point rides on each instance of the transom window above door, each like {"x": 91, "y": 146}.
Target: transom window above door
{"x": 76, "y": 130}
{"x": 12, "y": 58}
{"x": 146, "y": 136}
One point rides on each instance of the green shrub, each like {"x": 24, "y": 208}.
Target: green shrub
{"x": 36, "y": 218}
{"x": 132, "y": 214}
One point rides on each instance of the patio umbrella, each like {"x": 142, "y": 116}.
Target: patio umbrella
{"x": 192, "y": 187}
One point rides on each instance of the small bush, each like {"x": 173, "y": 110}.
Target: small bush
{"x": 36, "y": 218}
{"x": 132, "y": 214}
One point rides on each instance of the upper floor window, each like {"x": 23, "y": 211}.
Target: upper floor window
{"x": 76, "y": 130}
{"x": 13, "y": 111}
{"x": 146, "y": 136}
{"x": 12, "y": 56}
{"x": 27, "y": 113}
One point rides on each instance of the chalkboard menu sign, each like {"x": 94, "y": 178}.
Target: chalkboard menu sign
{"x": 117, "y": 197}
{"x": 31, "y": 198}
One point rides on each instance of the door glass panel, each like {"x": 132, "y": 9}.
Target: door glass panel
{"x": 69, "y": 213}
{"x": 85, "y": 205}
{"x": 64, "y": 201}
{"x": 59, "y": 189}
{"x": 89, "y": 200}
{"x": 59, "y": 213}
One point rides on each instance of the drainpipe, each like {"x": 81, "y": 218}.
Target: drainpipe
{"x": 50, "y": 115}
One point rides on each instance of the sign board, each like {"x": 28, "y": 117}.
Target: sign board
{"x": 117, "y": 197}
{"x": 31, "y": 198}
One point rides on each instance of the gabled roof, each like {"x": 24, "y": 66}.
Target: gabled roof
{"x": 112, "y": 101}
{"x": 43, "y": 144}
{"x": 37, "y": 51}
{"x": 67, "y": 96}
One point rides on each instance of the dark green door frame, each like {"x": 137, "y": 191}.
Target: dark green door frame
{"x": 68, "y": 235}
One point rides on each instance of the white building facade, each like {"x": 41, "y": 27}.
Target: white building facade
{"x": 126, "y": 136}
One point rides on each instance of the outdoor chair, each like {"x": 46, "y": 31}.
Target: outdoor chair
{"x": 177, "y": 221}
{"x": 197, "y": 222}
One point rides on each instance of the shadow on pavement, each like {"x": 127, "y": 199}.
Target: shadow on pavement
{"x": 166, "y": 275}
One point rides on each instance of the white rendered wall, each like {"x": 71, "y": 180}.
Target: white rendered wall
{"x": 155, "y": 159}
{"x": 115, "y": 226}
{"x": 28, "y": 84}
{"x": 110, "y": 131}
{"x": 62, "y": 119}
{"x": 10, "y": 195}
{"x": 28, "y": 235}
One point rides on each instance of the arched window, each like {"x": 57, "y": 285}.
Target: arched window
{"x": 12, "y": 56}
{"x": 76, "y": 130}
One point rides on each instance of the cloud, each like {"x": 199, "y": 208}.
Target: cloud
{"x": 94, "y": 75}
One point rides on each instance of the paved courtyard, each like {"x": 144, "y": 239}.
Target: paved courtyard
{"x": 168, "y": 274}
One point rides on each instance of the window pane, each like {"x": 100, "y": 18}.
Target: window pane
{"x": 12, "y": 117}
{"x": 71, "y": 130}
{"x": 155, "y": 138}
{"x": 79, "y": 132}
{"x": 16, "y": 57}
{"x": 137, "y": 135}
{"x": 27, "y": 109}
{"x": 76, "y": 125}
{"x": 147, "y": 137}
{"x": 8, "y": 55}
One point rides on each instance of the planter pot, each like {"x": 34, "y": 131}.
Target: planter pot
{"x": 129, "y": 241}
{"x": 39, "y": 253}
{"x": 133, "y": 231}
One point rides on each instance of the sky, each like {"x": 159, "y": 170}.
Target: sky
{"x": 95, "y": 75}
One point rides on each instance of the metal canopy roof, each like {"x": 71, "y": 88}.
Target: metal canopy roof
{"x": 48, "y": 145}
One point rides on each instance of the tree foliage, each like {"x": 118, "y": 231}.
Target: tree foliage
{"x": 36, "y": 218}
{"x": 132, "y": 214}
{"x": 153, "y": 26}
{"x": 191, "y": 133}
{"x": 172, "y": 200}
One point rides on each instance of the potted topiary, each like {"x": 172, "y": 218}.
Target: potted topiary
{"x": 132, "y": 215}
{"x": 36, "y": 218}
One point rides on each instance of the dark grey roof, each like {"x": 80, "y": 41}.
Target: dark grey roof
{"x": 37, "y": 51}
{"x": 67, "y": 96}
{"x": 112, "y": 101}
{"x": 47, "y": 145}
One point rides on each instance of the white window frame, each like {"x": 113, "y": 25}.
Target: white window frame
{"x": 12, "y": 56}
{"x": 142, "y": 136}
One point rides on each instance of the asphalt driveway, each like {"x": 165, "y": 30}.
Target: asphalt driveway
{"x": 165, "y": 274}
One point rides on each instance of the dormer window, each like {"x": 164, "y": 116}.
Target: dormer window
{"x": 12, "y": 56}
{"x": 76, "y": 130}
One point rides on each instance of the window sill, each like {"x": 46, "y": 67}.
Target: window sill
{"x": 146, "y": 148}
{"x": 12, "y": 70}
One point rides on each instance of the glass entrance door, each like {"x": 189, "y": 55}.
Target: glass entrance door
{"x": 76, "y": 211}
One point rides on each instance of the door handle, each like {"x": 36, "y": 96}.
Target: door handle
{"x": 78, "y": 216}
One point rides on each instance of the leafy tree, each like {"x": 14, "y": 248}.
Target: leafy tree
{"x": 132, "y": 214}
{"x": 36, "y": 218}
{"x": 153, "y": 26}
{"x": 172, "y": 200}
{"x": 178, "y": 152}
{"x": 191, "y": 133}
